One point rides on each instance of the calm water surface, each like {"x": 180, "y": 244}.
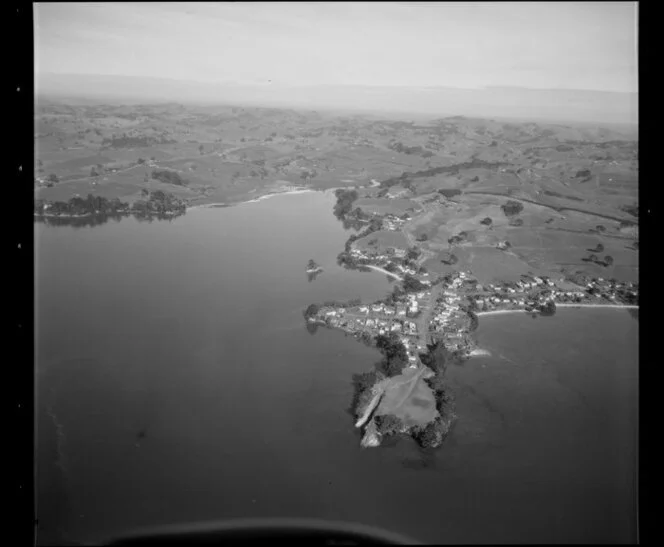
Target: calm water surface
{"x": 176, "y": 382}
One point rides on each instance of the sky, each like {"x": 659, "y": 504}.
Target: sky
{"x": 557, "y": 45}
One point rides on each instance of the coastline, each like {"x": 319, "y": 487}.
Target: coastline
{"x": 272, "y": 194}
{"x": 378, "y": 269}
{"x": 498, "y": 312}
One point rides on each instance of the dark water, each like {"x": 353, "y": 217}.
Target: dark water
{"x": 177, "y": 382}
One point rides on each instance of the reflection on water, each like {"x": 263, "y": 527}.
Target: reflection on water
{"x": 99, "y": 220}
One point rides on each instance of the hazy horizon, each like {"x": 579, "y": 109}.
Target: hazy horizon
{"x": 566, "y": 61}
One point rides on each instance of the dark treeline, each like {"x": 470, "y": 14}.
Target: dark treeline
{"x": 157, "y": 204}
{"x": 406, "y": 177}
{"x": 409, "y": 150}
{"x": 344, "y": 204}
{"x": 169, "y": 177}
{"x": 134, "y": 142}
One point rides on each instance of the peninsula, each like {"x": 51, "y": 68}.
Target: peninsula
{"x": 428, "y": 320}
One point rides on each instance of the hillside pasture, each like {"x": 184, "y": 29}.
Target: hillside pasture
{"x": 383, "y": 206}
{"x": 384, "y": 239}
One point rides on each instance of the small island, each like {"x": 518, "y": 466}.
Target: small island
{"x": 313, "y": 268}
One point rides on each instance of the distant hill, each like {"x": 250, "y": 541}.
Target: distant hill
{"x": 499, "y": 102}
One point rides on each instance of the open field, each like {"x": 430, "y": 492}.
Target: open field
{"x": 409, "y": 398}
{"x": 397, "y": 206}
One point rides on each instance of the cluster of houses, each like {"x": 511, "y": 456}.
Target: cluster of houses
{"x": 450, "y": 322}
{"x": 393, "y": 223}
{"x": 381, "y": 319}
{"x": 532, "y": 292}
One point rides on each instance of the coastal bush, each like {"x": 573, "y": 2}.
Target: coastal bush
{"x": 344, "y": 204}
{"x": 608, "y": 260}
{"x": 388, "y": 424}
{"x": 486, "y": 221}
{"x": 548, "y": 309}
{"x": 436, "y": 357}
{"x": 516, "y": 222}
{"x": 474, "y": 320}
{"x": 311, "y": 311}
{"x": 431, "y": 435}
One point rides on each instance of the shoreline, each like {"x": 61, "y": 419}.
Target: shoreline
{"x": 499, "y": 312}
{"x": 286, "y": 193}
{"x": 379, "y": 269}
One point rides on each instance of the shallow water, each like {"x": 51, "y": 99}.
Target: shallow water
{"x": 177, "y": 382}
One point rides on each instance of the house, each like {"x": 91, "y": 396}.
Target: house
{"x": 377, "y": 308}
{"x": 539, "y": 280}
{"x": 364, "y": 309}
{"x": 370, "y": 323}
{"x": 389, "y": 311}
{"x": 401, "y": 310}
{"x": 331, "y": 313}
{"x": 396, "y": 327}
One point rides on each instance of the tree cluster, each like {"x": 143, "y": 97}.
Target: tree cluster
{"x": 449, "y": 192}
{"x": 344, "y": 204}
{"x": 411, "y": 284}
{"x": 169, "y": 177}
{"x": 512, "y": 208}
{"x": 389, "y": 424}
{"x": 394, "y": 352}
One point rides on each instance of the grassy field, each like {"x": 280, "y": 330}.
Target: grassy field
{"x": 414, "y": 404}
{"x": 382, "y": 240}
{"x": 383, "y": 206}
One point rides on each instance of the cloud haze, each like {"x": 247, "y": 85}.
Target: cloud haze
{"x": 562, "y": 46}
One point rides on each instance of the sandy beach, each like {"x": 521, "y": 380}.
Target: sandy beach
{"x": 288, "y": 192}
{"x": 625, "y": 306}
{"x": 499, "y": 312}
